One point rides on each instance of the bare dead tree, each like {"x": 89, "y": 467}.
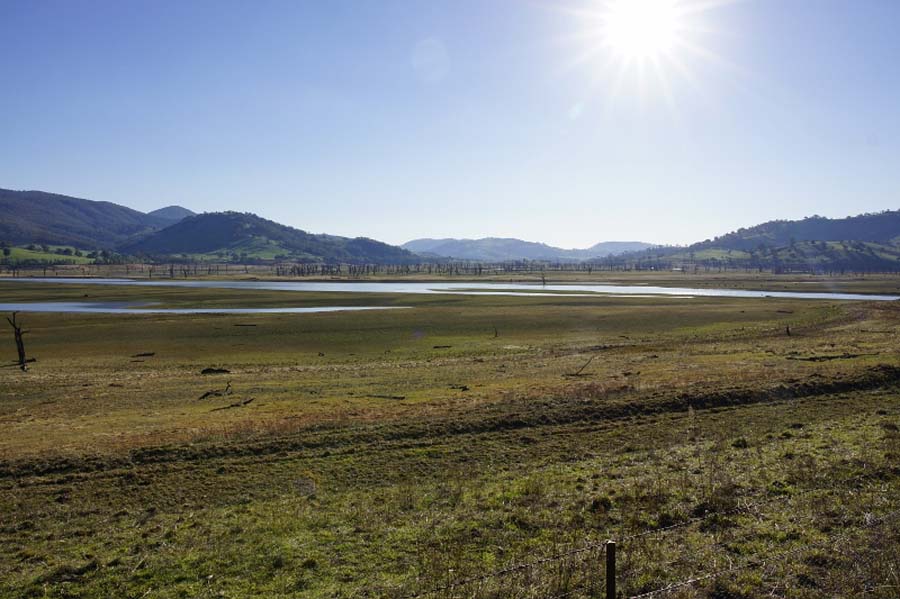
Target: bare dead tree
{"x": 20, "y": 343}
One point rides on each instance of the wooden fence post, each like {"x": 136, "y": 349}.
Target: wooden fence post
{"x": 611, "y": 570}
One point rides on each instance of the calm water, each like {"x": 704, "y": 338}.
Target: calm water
{"x": 462, "y": 288}
{"x": 103, "y": 308}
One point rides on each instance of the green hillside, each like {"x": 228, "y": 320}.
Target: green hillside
{"x": 816, "y": 255}
{"x": 869, "y": 242}
{"x": 237, "y": 236}
{"x": 45, "y": 218}
{"x": 881, "y": 228}
{"x": 36, "y": 219}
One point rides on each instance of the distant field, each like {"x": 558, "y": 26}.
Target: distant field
{"x": 251, "y": 249}
{"x": 714, "y": 254}
{"x": 385, "y": 454}
{"x": 23, "y": 254}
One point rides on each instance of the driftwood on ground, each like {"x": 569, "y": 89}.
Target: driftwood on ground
{"x": 580, "y": 370}
{"x": 844, "y": 356}
{"x": 217, "y": 392}
{"x": 238, "y": 404}
{"x": 215, "y": 371}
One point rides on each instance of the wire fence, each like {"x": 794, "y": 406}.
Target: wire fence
{"x": 758, "y": 562}
{"x": 512, "y": 569}
{"x": 587, "y": 577}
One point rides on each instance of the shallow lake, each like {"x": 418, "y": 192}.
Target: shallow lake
{"x": 105, "y": 308}
{"x": 454, "y": 288}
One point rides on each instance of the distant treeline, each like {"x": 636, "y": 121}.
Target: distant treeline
{"x": 185, "y": 270}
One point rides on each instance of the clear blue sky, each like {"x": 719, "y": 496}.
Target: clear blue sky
{"x": 456, "y": 118}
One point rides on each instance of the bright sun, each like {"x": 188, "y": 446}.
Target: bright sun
{"x": 651, "y": 48}
{"x": 641, "y": 29}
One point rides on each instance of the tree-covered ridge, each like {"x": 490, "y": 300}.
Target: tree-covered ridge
{"x": 48, "y": 218}
{"x": 868, "y": 242}
{"x": 883, "y": 228}
{"x": 232, "y": 235}
{"x": 87, "y": 228}
{"x": 172, "y": 214}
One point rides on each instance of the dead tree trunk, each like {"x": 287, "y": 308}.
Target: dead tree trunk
{"x": 20, "y": 343}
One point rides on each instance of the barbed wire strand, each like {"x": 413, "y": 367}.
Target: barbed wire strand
{"x": 646, "y": 533}
{"x": 509, "y": 570}
{"x": 568, "y": 593}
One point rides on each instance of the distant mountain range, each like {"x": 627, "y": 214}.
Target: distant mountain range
{"x": 36, "y": 218}
{"x": 494, "y": 249}
{"x": 49, "y": 218}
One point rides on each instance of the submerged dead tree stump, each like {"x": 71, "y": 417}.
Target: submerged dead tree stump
{"x": 20, "y": 342}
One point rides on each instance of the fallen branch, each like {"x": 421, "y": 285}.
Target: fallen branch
{"x": 239, "y": 404}
{"x": 829, "y": 358}
{"x": 215, "y": 371}
{"x": 217, "y": 392}
{"x": 398, "y": 397}
{"x": 580, "y": 370}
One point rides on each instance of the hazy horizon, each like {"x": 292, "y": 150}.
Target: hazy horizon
{"x": 402, "y": 120}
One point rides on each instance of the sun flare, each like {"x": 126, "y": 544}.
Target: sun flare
{"x": 645, "y": 49}
{"x": 641, "y": 29}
